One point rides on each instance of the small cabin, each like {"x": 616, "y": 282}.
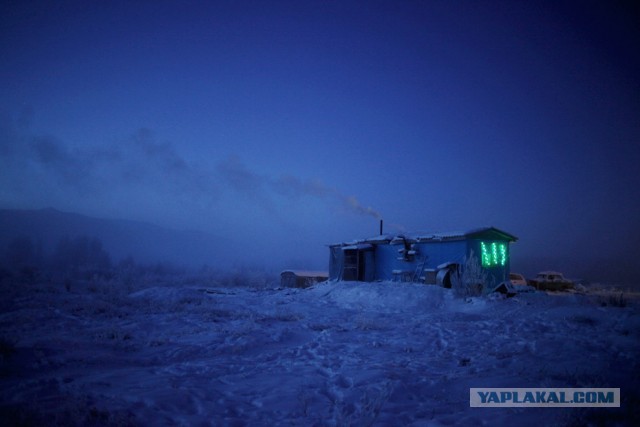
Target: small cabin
{"x": 421, "y": 257}
{"x": 302, "y": 279}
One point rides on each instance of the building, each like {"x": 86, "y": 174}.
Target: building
{"x": 301, "y": 279}
{"x": 424, "y": 258}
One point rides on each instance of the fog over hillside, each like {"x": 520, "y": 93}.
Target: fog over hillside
{"x": 149, "y": 243}
{"x": 142, "y": 241}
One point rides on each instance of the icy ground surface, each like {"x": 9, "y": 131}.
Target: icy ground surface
{"x": 336, "y": 354}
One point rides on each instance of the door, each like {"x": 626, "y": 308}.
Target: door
{"x": 352, "y": 265}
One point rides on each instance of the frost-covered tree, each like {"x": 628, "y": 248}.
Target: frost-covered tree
{"x": 22, "y": 252}
{"x": 80, "y": 253}
{"x": 470, "y": 278}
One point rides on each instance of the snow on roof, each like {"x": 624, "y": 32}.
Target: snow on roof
{"x": 433, "y": 237}
{"x": 359, "y": 246}
{"x": 307, "y": 273}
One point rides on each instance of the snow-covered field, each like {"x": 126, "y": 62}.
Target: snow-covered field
{"x": 336, "y": 354}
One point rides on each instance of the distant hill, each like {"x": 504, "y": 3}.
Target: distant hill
{"x": 146, "y": 243}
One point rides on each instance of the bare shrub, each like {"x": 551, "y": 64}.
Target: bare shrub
{"x": 469, "y": 279}
{"x": 614, "y": 300}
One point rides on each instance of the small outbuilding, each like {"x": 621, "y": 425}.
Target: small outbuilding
{"x": 302, "y": 279}
{"x": 421, "y": 257}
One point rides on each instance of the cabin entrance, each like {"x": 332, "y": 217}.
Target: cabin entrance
{"x": 358, "y": 263}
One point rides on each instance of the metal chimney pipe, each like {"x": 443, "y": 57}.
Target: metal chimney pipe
{"x": 381, "y": 227}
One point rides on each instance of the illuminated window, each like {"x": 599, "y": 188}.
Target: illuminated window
{"x": 493, "y": 254}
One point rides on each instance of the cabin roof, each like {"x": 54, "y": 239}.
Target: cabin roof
{"x": 489, "y": 233}
{"x": 306, "y": 273}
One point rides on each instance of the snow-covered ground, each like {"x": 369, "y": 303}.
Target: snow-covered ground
{"x": 336, "y": 354}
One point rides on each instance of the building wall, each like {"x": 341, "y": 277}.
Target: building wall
{"x": 336, "y": 261}
{"x": 369, "y": 265}
{"x": 440, "y": 252}
{"x": 386, "y": 257}
{"x": 382, "y": 261}
{"x": 385, "y": 261}
{"x": 301, "y": 279}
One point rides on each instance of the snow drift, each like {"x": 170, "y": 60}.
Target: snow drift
{"x": 338, "y": 353}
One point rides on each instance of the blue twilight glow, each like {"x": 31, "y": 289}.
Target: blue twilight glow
{"x": 288, "y": 125}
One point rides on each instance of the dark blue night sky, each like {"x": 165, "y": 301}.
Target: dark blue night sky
{"x": 300, "y": 123}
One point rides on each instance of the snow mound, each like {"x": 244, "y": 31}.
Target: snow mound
{"x": 384, "y": 296}
{"x": 164, "y": 293}
{"x": 338, "y": 353}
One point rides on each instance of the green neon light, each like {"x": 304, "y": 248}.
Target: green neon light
{"x": 485, "y": 254}
{"x": 493, "y": 254}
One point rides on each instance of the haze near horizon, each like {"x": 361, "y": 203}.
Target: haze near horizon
{"x": 286, "y": 126}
